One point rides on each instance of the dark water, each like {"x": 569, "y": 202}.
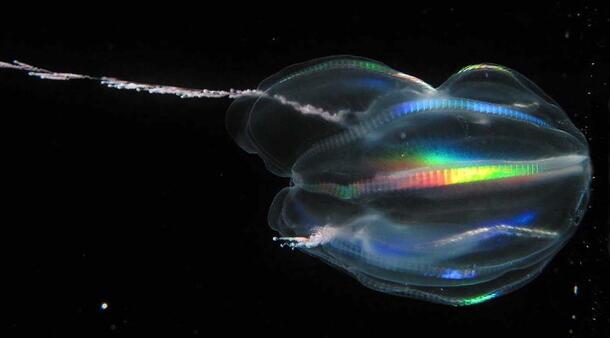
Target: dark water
{"x": 145, "y": 204}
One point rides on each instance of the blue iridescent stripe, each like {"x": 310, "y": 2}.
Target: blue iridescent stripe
{"x": 409, "y": 107}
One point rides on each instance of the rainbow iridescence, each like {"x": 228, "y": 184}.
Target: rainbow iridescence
{"x": 404, "y": 157}
{"x": 427, "y": 178}
{"x": 455, "y": 194}
{"x": 407, "y": 108}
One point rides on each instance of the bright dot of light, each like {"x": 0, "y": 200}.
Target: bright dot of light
{"x": 103, "y": 306}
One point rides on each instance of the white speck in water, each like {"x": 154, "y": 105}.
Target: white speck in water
{"x": 576, "y": 290}
{"x": 104, "y": 306}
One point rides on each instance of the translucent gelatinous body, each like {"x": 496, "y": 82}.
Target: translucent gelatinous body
{"x": 455, "y": 194}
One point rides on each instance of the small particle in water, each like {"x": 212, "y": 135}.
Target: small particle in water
{"x": 104, "y": 306}
{"x": 576, "y": 290}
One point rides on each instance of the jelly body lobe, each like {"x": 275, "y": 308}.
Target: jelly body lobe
{"x": 453, "y": 195}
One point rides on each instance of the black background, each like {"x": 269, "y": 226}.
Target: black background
{"x": 144, "y": 203}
